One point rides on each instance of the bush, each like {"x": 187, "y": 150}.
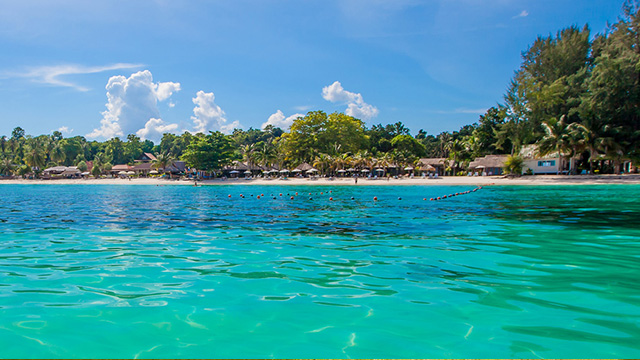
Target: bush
{"x": 82, "y": 166}
{"x": 514, "y": 165}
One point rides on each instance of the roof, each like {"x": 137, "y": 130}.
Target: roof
{"x": 433, "y": 161}
{"x": 121, "y": 167}
{"x": 176, "y": 167}
{"x": 489, "y": 161}
{"x": 71, "y": 171}
{"x": 531, "y": 152}
{"x": 304, "y": 167}
{"x": 56, "y": 169}
{"x": 142, "y": 166}
{"x": 147, "y": 157}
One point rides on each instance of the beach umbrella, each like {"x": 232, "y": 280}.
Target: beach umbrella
{"x": 408, "y": 168}
{"x": 284, "y": 171}
{"x": 351, "y": 169}
{"x": 296, "y": 170}
{"x": 153, "y": 172}
{"x": 234, "y": 172}
{"x": 364, "y": 170}
{"x": 342, "y": 171}
{"x": 122, "y": 173}
{"x": 130, "y": 173}
{"x": 247, "y": 172}
{"x": 85, "y": 173}
{"x": 379, "y": 170}
{"x": 312, "y": 170}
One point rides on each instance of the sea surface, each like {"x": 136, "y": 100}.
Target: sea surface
{"x": 191, "y": 272}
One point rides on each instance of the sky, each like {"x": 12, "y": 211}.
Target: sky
{"x": 101, "y": 69}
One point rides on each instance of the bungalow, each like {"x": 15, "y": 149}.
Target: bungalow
{"x": 437, "y": 165}
{"x": 549, "y": 164}
{"x": 488, "y": 165}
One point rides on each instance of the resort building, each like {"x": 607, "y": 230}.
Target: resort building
{"x": 437, "y": 165}
{"x": 549, "y": 164}
{"x": 488, "y": 165}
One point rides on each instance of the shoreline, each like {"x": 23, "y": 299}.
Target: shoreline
{"x": 447, "y": 180}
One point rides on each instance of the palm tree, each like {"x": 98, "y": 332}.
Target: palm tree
{"x": 265, "y": 154}
{"x": 342, "y": 161}
{"x": 249, "y": 154}
{"x": 514, "y": 164}
{"x": 323, "y": 162}
{"x": 35, "y": 155}
{"x": 591, "y": 135}
{"x": 58, "y": 154}
{"x": 363, "y": 160}
{"x": 162, "y": 161}
{"x": 556, "y": 140}
{"x": 6, "y": 167}
{"x": 3, "y": 144}
{"x": 455, "y": 148}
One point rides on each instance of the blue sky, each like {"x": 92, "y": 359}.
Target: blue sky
{"x": 107, "y": 68}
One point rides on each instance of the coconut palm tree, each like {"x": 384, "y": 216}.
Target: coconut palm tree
{"x": 455, "y": 149}
{"x": 265, "y": 154}
{"x": 58, "y": 154}
{"x": 35, "y": 155}
{"x": 514, "y": 164}
{"x": 556, "y": 140}
{"x": 323, "y": 162}
{"x": 6, "y": 167}
{"x": 249, "y": 153}
{"x": 162, "y": 161}
{"x": 342, "y": 161}
{"x": 591, "y": 135}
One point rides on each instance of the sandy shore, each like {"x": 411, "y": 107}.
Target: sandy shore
{"x": 449, "y": 180}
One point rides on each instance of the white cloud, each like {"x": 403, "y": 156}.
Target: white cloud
{"x": 208, "y": 116}
{"x": 356, "y": 106}
{"x": 154, "y": 128}
{"x": 52, "y": 74}
{"x": 524, "y": 13}
{"x": 277, "y": 119}
{"x": 166, "y": 89}
{"x": 65, "y": 130}
{"x": 132, "y": 103}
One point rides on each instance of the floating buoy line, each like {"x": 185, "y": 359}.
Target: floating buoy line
{"x": 443, "y": 197}
{"x": 375, "y": 198}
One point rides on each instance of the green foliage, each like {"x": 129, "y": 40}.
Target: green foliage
{"x": 514, "y": 164}
{"x": 17, "y": 133}
{"x": 318, "y": 133}
{"x": 209, "y": 152}
{"x": 406, "y": 143}
{"x": 82, "y": 166}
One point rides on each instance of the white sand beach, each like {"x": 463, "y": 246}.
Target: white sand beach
{"x": 447, "y": 180}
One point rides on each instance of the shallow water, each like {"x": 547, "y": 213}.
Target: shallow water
{"x": 173, "y": 271}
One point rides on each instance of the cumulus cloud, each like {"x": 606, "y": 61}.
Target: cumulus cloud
{"x": 154, "y": 128}
{"x": 65, "y": 130}
{"x": 166, "y": 89}
{"x": 208, "y": 116}
{"x": 278, "y": 119}
{"x": 132, "y": 104}
{"x": 52, "y": 75}
{"x": 356, "y": 106}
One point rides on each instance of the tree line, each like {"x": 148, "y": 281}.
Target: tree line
{"x": 575, "y": 94}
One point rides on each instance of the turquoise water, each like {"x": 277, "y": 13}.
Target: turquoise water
{"x": 175, "y": 272}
